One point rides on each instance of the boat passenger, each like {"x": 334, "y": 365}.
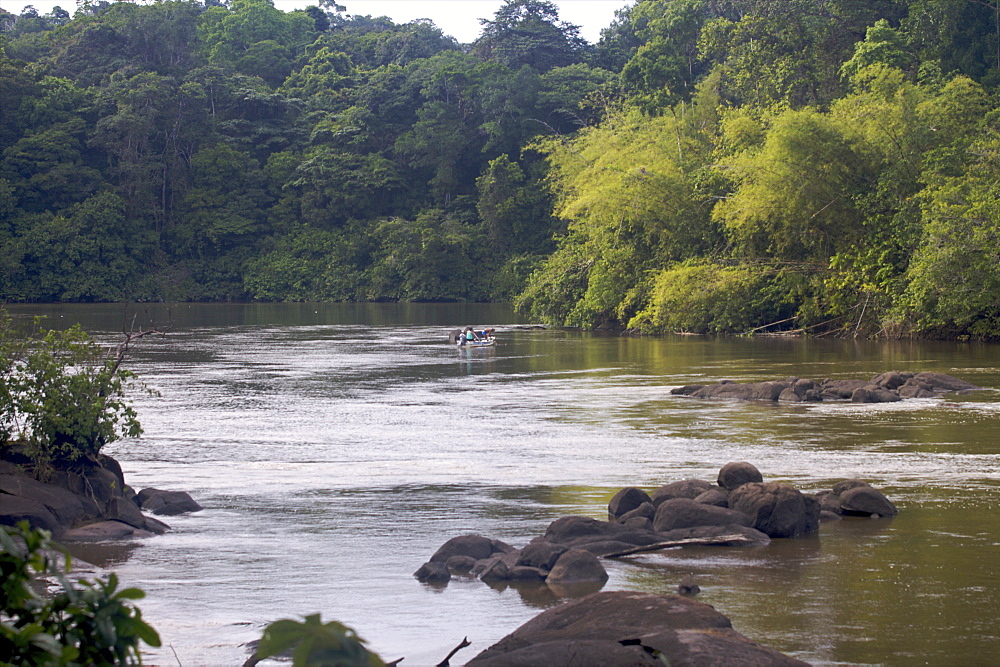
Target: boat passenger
{"x": 470, "y": 334}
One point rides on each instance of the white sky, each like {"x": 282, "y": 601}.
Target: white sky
{"x": 458, "y": 18}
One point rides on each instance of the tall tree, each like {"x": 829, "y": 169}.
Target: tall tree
{"x": 529, "y": 32}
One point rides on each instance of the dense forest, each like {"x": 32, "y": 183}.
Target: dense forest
{"x": 825, "y": 166}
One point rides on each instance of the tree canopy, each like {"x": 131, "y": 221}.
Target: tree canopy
{"x": 822, "y": 167}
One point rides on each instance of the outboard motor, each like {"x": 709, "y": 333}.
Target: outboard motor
{"x": 455, "y": 337}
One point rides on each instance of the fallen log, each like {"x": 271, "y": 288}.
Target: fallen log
{"x": 703, "y": 541}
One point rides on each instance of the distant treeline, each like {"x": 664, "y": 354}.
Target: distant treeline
{"x": 829, "y": 166}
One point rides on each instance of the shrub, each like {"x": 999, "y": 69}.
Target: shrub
{"x": 85, "y": 623}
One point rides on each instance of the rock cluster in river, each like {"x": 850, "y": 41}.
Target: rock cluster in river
{"x": 629, "y": 628}
{"x": 87, "y": 502}
{"x": 738, "y": 509}
{"x": 884, "y": 388}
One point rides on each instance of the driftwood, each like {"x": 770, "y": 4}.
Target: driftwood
{"x": 445, "y": 663}
{"x": 707, "y": 541}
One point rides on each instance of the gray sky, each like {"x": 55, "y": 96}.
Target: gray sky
{"x": 458, "y": 18}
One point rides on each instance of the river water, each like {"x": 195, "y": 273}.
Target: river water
{"x": 335, "y": 447}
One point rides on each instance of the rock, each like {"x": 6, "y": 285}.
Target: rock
{"x": 688, "y": 586}
{"x": 645, "y": 510}
{"x": 577, "y": 566}
{"x": 686, "y": 513}
{"x": 168, "y": 503}
{"x": 104, "y": 531}
{"x": 65, "y": 507}
{"x": 523, "y": 573}
{"x": 737, "y": 473}
{"x": 686, "y": 488}
{"x": 829, "y": 501}
{"x": 625, "y": 501}
{"x": 915, "y": 389}
{"x": 789, "y": 396}
{"x": 714, "y": 496}
{"x": 628, "y": 628}
{"x": 14, "y": 509}
{"x": 759, "y": 391}
{"x": 433, "y": 571}
{"x": 865, "y": 500}
{"x": 460, "y": 564}
{"x": 841, "y": 389}
{"x": 846, "y": 484}
{"x": 495, "y": 569}
{"x": 643, "y": 523}
{"x": 874, "y": 394}
{"x": 891, "y": 379}
{"x": 939, "y": 382}
{"x": 474, "y": 546}
{"x": 778, "y": 510}
{"x": 541, "y": 553}
{"x": 574, "y": 531}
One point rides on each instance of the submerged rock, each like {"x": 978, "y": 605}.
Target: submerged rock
{"x": 883, "y": 388}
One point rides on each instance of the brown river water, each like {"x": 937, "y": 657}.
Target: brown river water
{"x": 335, "y": 447}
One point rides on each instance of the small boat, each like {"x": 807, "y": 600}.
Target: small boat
{"x": 482, "y": 342}
{"x": 484, "y": 338}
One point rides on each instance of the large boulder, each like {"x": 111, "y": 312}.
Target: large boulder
{"x": 737, "y": 473}
{"x": 577, "y": 566}
{"x": 628, "y": 628}
{"x": 686, "y": 513}
{"x": 778, "y": 510}
{"x": 625, "y": 501}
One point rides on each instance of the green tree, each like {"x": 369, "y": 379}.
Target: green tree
{"x": 529, "y": 32}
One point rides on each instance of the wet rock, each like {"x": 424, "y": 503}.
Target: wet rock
{"x": 460, "y": 564}
{"x": 14, "y": 509}
{"x": 846, "y": 484}
{"x": 167, "y": 503}
{"x": 643, "y": 523}
{"x": 891, "y": 379}
{"x": 474, "y": 546}
{"x": 686, "y": 513}
{"x": 841, "y": 389}
{"x": 645, "y": 510}
{"x": 104, "y": 531}
{"x": 629, "y": 628}
{"x": 874, "y": 394}
{"x": 865, "y": 500}
{"x": 541, "y": 553}
{"x": 939, "y": 382}
{"x": 688, "y": 586}
{"x": 523, "y": 573}
{"x": 714, "y": 496}
{"x": 685, "y": 488}
{"x": 625, "y": 501}
{"x": 737, "y": 473}
{"x": 577, "y": 566}
{"x": 433, "y": 571}
{"x": 778, "y": 510}
{"x": 576, "y": 531}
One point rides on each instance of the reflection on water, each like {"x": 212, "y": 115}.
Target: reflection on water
{"x": 336, "y": 447}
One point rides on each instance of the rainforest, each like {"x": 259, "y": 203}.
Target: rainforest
{"x": 825, "y": 167}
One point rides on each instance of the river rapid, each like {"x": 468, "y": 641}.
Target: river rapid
{"x": 335, "y": 447}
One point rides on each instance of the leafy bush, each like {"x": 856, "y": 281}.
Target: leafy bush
{"x": 311, "y": 642}
{"x": 61, "y": 397}
{"x": 708, "y": 298}
{"x": 86, "y": 623}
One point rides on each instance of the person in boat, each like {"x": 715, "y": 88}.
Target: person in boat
{"x": 470, "y": 335}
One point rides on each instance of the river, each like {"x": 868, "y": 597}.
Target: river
{"x": 335, "y": 447}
